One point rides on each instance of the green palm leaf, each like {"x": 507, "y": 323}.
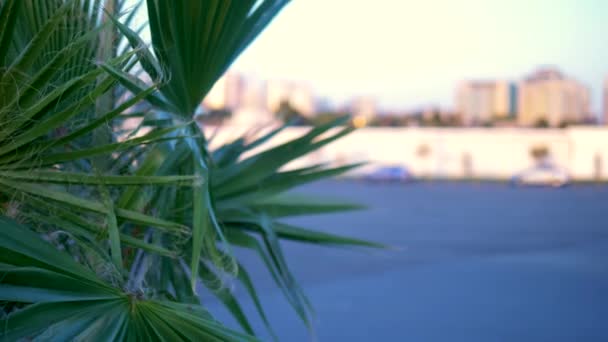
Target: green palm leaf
{"x": 65, "y": 301}
{"x": 141, "y": 217}
{"x": 48, "y": 126}
{"x": 197, "y": 40}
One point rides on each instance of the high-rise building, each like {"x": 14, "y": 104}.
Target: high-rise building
{"x": 505, "y": 99}
{"x": 547, "y": 95}
{"x": 298, "y": 94}
{"x": 227, "y": 92}
{"x": 482, "y": 101}
{"x": 605, "y": 96}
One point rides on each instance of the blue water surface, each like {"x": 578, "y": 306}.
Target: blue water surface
{"x": 475, "y": 262}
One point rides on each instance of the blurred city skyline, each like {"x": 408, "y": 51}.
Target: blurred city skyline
{"x": 546, "y": 97}
{"x": 413, "y": 54}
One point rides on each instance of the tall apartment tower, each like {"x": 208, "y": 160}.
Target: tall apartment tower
{"x": 483, "y": 101}
{"x": 549, "y": 95}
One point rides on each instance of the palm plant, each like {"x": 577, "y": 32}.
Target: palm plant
{"x": 109, "y": 208}
{"x": 49, "y": 86}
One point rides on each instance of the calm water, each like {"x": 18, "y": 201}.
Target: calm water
{"x": 477, "y": 262}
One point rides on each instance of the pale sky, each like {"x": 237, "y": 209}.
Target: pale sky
{"x": 412, "y": 53}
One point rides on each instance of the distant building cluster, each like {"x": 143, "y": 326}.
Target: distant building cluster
{"x": 544, "y": 98}
{"x": 253, "y": 102}
{"x": 484, "y": 101}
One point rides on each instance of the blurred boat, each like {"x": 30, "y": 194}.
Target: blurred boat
{"x": 389, "y": 174}
{"x": 542, "y": 175}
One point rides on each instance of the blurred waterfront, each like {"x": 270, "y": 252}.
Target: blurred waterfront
{"x": 477, "y": 262}
{"x": 455, "y": 153}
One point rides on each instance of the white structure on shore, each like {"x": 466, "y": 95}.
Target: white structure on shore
{"x": 454, "y": 153}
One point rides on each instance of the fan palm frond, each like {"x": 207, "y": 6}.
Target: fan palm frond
{"x": 60, "y": 300}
